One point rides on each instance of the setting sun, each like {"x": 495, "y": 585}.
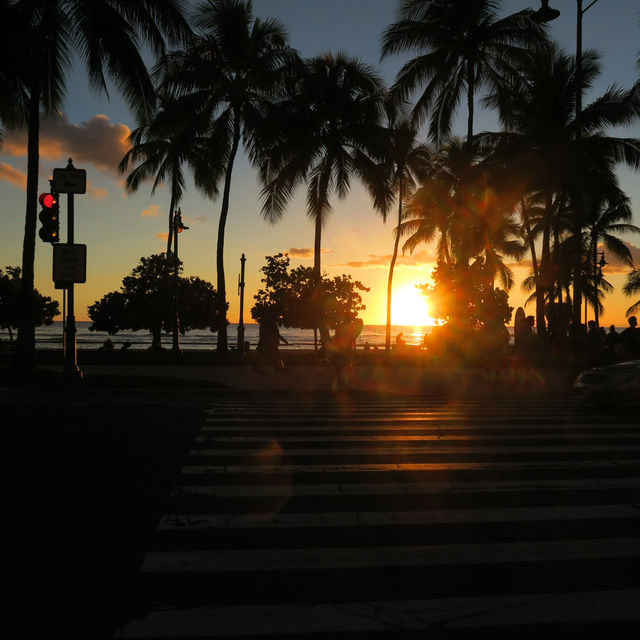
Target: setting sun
{"x": 410, "y": 307}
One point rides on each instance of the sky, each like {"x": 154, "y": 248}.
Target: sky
{"x": 120, "y": 228}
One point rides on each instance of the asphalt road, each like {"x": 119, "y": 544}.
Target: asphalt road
{"x": 352, "y": 515}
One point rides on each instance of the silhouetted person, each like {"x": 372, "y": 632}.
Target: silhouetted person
{"x": 400, "y": 343}
{"x": 125, "y": 345}
{"x": 267, "y": 351}
{"x": 613, "y": 343}
{"x": 342, "y": 348}
{"x": 631, "y": 338}
{"x": 107, "y": 345}
{"x": 594, "y": 346}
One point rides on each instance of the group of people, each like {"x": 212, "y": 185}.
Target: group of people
{"x": 610, "y": 345}
{"x": 338, "y": 350}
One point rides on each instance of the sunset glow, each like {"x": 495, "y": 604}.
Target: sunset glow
{"x": 410, "y": 307}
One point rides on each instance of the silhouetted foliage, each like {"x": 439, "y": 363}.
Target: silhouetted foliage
{"x": 461, "y": 294}
{"x": 146, "y": 301}
{"x": 296, "y": 301}
{"x": 44, "y": 309}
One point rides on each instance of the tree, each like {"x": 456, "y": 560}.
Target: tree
{"x": 145, "y": 302}
{"x": 461, "y": 296}
{"x": 461, "y": 47}
{"x": 295, "y": 299}
{"x": 465, "y": 201}
{"x": 44, "y": 309}
{"x": 395, "y": 178}
{"x": 105, "y": 35}
{"x": 561, "y": 171}
{"x": 159, "y": 149}
{"x": 319, "y": 136}
{"x": 233, "y": 68}
{"x": 633, "y": 286}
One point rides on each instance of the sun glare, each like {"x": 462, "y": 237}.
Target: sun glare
{"x": 410, "y": 308}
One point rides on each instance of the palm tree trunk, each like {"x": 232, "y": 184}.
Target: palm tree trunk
{"x": 545, "y": 270}
{"x": 224, "y": 211}
{"x": 171, "y": 225}
{"x": 396, "y": 243}
{"x": 26, "y": 342}
{"x": 470, "y": 103}
{"x": 317, "y": 246}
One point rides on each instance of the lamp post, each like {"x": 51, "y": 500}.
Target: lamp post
{"x": 178, "y": 227}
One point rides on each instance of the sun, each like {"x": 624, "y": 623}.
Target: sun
{"x": 410, "y": 308}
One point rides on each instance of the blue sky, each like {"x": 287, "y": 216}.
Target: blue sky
{"x": 119, "y": 228}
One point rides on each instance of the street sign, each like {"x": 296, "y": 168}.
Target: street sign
{"x": 69, "y": 180}
{"x": 69, "y": 264}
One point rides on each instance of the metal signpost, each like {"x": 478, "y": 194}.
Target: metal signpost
{"x": 70, "y": 261}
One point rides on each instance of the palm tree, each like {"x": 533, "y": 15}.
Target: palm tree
{"x": 604, "y": 219}
{"x": 105, "y": 35}
{"x": 235, "y": 67}
{"x": 461, "y": 47}
{"x": 633, "y": 286}
{"x": 463, "y": 201}
{"x": 159, "y": 151}
{"x": 395, "y": 178}
{"x": 540, "y": 150}
{"x": 321, "y": 136}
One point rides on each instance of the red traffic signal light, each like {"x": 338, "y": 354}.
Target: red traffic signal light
{"x": 50, "y": 218}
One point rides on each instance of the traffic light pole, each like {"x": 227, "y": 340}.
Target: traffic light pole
{"x": 71, "y": 368}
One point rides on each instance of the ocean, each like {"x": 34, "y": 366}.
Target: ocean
{"x": 50, "y": 337}
{"x": 201, "y": 339}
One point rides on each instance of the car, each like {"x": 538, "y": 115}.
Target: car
{"x": 611, "y": 384}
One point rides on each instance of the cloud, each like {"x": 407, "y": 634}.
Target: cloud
{"x": 14, "y": 176}
{"x": 198, "y": 219}
{"x": 300, "y": 253}
{"x": 152, "y": 211}
{"x": 420, "y": 260}
{"x": 296, "y": 252}
{"x": 162, "y": 235}
{"x": 98, "y": 142}
{"x": 97, "y": 192}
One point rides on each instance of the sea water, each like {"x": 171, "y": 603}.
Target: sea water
{"x": 202, "y": 339}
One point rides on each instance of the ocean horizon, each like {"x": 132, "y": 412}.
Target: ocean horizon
{"x": 50, "y": 337}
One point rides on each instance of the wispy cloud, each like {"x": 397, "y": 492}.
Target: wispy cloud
{"x": 304, "y": 253}
{"x": 419, "y": 260}
{"x": 12, "y": 175}
{"x": 152, "y": 211}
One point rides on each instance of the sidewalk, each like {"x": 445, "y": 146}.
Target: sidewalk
{"x": 394, "y": 380}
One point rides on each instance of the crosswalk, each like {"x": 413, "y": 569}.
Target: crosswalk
{"x": 352, "y": 516}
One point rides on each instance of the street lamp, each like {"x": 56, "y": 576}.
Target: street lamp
{"x": 545, "y": 13}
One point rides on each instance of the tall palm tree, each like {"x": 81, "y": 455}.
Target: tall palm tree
{"x": 633, "y": 286}
{"x": 235, "y": 67}
{"x": 605, "y": 219}
{"x": 159, "y": 150}
{"x": 538, "y": 147}
{"x": 461, "y": 47}
{"x": 320, "y": 136}
{"x": 395, "y": 179}
{"x": 106, "y": 36}
{"x": 463, "y": 200}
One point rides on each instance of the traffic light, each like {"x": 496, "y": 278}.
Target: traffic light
{"x": 50, "y": 218}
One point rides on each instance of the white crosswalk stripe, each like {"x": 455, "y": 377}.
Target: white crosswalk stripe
{"x": 338, "y": 516}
